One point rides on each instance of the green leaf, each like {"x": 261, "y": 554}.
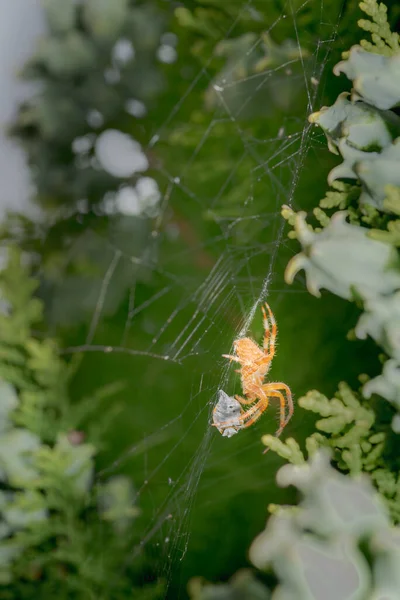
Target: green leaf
{"x": 103, "y": 18}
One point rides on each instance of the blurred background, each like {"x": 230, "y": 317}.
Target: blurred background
{"x": 146, "y": 151}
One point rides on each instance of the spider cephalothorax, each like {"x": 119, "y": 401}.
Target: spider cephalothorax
{"x": 255, "y": 362}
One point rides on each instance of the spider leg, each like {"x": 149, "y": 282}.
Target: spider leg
{"x": 253, "y": 414}
{"x": 231, "y": 357}
{"x": 288, "y": 394}
{"x": 282, "y": 422}
{"x": 272, "y": 389}
{"x": 270, "y": 331}
{"x": 244, "y": 400}
{"x": 282, "y": 411}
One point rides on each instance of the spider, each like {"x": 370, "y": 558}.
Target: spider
{"x": 255, "y": 363}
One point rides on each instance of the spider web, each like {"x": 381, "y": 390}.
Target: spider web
{"x": 185, "y": 307}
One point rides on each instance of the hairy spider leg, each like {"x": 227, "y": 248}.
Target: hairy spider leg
{"x": 231, "y": 357}
{"x": 289, "y": 399}
{"x": 251, "y": 415}
{"x": 270, "y": 332}
{"x": 259, "y": 409}
{"x": 272, "y": 389}
{"x": 271, "y": 393}
{"x": 282, "y": 410}
{"x": 244, "y": 400}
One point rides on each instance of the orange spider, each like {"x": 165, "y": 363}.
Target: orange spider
{"x": 255, "y": 363}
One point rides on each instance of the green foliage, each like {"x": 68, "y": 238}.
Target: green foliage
{"x": 362, "y": 264}
{"x": 344, "y": 259}
{"x": 98, "y": 71}
{"x": 363, "y": 137}
{"x": 256, "y": 77}
{"x": 371, "y": 73}
{"x": 358, "y": 442}
{"x": 97, "y": 59}
{"x": 245, "y": 59}
{"x": 208, "y": 150}
{"x": 339, "y": 528}
{"x": 59, "y": 528}
{"x": 351, "y": 261}
{"x": 84, "y": 256}
{"x": 242, "y": 586}
{"x": 384, "y": 41}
